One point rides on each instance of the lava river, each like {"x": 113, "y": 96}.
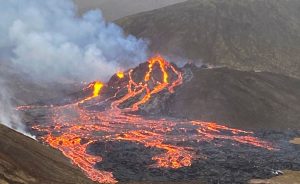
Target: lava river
{"x": 73, "y": 127}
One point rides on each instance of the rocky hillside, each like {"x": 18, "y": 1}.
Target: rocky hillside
{"x": 241, "y": 34}
{"x": 25, "y": 161}
{"x": 115, "y": 9}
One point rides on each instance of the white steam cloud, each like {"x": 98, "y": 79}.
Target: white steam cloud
{"x": 7, "y": 115}
{"x": 48, "y": 40}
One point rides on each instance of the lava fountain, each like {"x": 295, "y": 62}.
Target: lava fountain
{"x": 73, "y": 127}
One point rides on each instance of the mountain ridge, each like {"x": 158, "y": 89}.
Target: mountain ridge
{"x": 115, "y": 9}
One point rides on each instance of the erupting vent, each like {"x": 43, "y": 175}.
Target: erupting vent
{"x": 73, "y": 127}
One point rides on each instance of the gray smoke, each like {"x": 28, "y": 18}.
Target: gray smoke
{"x": 48, "y": 42}
{"x": 8, "y": 115}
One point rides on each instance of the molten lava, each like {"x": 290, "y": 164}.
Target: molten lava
{"x": 120, "y": 75}
{"x": 74, "y": 131}
{"x": 97, "y": 88}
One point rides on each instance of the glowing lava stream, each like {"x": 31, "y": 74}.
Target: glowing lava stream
{"x": 73, "y": 127}
{"x": 96, "y": 86}
{"x": 120, "y": 75}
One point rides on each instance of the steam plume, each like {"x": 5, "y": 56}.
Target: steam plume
{"x": 8, "y": 115}
{"x": 48, "y": 40}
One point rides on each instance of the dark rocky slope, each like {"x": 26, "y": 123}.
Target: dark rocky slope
{"x": 115, "y": 9}
{"x": 239, "y": 99}
{"x": 25, "y": 161}
{"x": 241, "y": 34}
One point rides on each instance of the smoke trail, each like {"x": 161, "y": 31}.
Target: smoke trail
{"x": 8, "y": 115}
{"x": 47, "y": 40}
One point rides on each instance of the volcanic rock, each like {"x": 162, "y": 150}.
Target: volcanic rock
{"x": 223, "y": 163}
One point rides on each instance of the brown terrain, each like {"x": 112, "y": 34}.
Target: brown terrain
{"x": 295, "y": 141}
{"x": 25, "y": 161}
{"x": 289, "y": 177}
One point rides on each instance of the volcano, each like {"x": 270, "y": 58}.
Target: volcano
{"x": 124, "y": 131}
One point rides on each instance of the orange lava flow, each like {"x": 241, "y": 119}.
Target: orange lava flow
{"x": 174, "y": 157}
{"x": 120, "y": 75}
{"x": 73, "y": 127}
{"x": 96, "y": 86}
